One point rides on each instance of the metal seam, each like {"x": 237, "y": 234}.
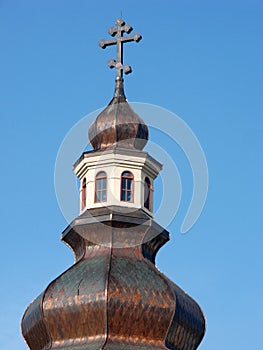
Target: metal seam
{"x": 107, "y": 292}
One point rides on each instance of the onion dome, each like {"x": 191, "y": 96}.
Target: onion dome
{"x": 113, "y": 298}
{"x": 118, "y": 125}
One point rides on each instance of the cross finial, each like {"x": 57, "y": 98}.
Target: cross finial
{"x": 119, "y": 41}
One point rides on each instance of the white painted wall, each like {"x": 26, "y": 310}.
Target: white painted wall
{"x": 113, "y": 163}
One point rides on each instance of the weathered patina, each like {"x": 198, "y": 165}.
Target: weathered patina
{"x": 113, "y": 297}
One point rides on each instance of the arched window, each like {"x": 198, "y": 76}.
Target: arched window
{"x": 127, "y": 186}
{"x": 147, "y": 193}
{"x": 83, "y": 193}
{"x": 101, "y": 187}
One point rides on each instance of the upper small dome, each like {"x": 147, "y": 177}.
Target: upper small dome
{"x": 118, "y": 125}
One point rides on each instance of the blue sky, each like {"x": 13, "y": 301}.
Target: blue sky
{"x": 199, "y": 59}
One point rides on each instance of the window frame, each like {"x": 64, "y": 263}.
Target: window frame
{"x": 101, "y": 190}
{"x": 127, "y": 177}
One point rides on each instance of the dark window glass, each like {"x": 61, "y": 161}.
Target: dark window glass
{"x": 147, "y": 193}
{"x": 83, "y": 194}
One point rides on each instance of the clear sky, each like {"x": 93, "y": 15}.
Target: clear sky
{"x": 199, "y": 59}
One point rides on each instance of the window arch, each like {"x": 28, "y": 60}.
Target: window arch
{"x": 147, "y": 193}
{"x": 127, "y": 186}
{"x": 101, "y": 187}
{"x": 83, "y": 193}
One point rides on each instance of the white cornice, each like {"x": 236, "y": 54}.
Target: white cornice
{"x": 128, "y": 159}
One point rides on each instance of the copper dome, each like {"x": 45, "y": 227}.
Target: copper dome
{"x": 118, "y": 125}
{"x": 113, "y": 298}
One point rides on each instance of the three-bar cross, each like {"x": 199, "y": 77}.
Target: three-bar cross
{"x": 121, "y": 28}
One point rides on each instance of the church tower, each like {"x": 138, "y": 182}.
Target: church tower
{"x": 114, "y": 297}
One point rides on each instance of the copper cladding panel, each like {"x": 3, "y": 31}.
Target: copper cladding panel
{"x": 75, "y": 304}
{"x": 33, "y": 326}
{"x": 140, "y": 303}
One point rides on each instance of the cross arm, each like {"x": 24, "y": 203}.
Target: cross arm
{"x": 104, "y": 43}
{"x": 125, "y": 39}
{"x": 135, "y": 37}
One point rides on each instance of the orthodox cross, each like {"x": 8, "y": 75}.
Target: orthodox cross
{"x": 119, "y": 41}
